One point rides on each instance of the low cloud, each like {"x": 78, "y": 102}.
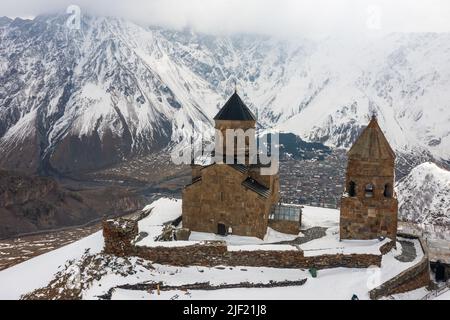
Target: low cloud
{"x": 273, "y": 17}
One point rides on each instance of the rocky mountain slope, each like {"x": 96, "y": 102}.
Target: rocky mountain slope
{"x": 31, "y": 203}
{"x": 78, "y": 100}
{"x": 424, "y": 195}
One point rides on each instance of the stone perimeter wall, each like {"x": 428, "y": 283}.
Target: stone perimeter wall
{"x": 289, "y": 227}
{"x": 119, "y": 241}
{"x": 415, "y": 277}
{"x": 118, "y": 235}
{"x": 214, "y": 254}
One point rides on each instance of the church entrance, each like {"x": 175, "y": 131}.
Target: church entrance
{"x": 221, "y": 229}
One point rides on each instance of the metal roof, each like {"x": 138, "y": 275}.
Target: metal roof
{"x": 255, "y": 186}
{"x": 235, "y": 109}
{"x": 239, "y": 167}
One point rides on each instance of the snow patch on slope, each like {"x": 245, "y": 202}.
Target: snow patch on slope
{"x": 38, "y": 271}
{"x": 424, "y": 195}
{"x": 143, "y": 84}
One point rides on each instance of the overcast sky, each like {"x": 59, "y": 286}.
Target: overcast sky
{"x": 278, "y": 17}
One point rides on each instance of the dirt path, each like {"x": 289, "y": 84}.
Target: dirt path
{"x": 308, "y": 235}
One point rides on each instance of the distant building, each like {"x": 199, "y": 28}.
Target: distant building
{"x": 369, "y": 205}
{"x": 234, "y": 198}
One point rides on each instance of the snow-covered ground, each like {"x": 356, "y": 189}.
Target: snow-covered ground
{"x": 411, "y": 295}
{"x": 445, "y": 296}
{"x": 336, "y": 283}
{"x": 330, "y": 244}
{"x": 38, "y": 271}
{"x": 162, "y": 210}
{"x": 234, "y": 240}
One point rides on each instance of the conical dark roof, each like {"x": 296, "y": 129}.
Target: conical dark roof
{"x": 371, "y": 144}
{"x": 235, "y": 109}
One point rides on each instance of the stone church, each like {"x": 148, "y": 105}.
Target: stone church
{"x": 233, "y": 198}
{"x": 369, "y": 205}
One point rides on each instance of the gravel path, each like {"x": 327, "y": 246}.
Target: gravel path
{"x": 308, "y": 235}
{"x": 408, "y": 251}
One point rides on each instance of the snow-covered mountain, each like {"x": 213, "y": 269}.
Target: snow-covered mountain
{"x": 75, "y": 100}
{"x": 424, "y": 195}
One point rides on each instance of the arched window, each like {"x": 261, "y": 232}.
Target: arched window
{"x": 387, "y": 190}
{"x": 369, "y": 190}
{"x": 352, "y": 189}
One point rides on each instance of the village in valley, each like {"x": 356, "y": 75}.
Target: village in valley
{"x": 314, "y": 182}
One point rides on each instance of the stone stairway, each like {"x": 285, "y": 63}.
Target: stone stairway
{"x": 443, "y": 288}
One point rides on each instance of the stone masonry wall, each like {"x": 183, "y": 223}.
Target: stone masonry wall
{"x": 119, "y": 237}
{"x": 369, "y": 217}
{"x": 214, "y": 254}
{"x": 415, "y": 277}
{"x": 290, "y": 227}
{"x": 385, "y": 248}
{"x": 220, "y": 198}
{"x": 223, "y": 125}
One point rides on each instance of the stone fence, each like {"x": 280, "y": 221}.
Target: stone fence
{"x": 412, "y": 278}
{"x": 385, "y": 248}
{"x": 120, "y": 234}
{"x": 215, "y": 253}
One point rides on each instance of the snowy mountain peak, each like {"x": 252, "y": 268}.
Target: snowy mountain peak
{"x": 424, "y": 195}
{"x": 93, "y": 97}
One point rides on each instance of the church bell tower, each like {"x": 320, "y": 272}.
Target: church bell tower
{"x": 369, "y": 205}
{"x": 235, "y": 115}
